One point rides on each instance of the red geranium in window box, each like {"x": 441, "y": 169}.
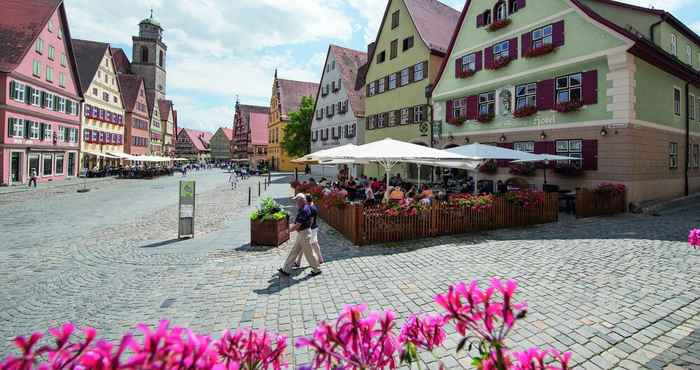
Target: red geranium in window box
{"x": 497, "y": 25}
{"x": 539, "y": 51}
{"x": 525, "y": 112}
{"x": 458, "y": 121}
{"x": 569, "y": 106}
{"x": 466, "y": 73}
{"x": 499, "y": 63}
{"x": 523, "y": 169}
{"x": 485, "y": 118}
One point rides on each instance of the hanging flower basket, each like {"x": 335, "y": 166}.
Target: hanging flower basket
{"x": 485, "y": 118}
{"x": 497, "y": 25}
{"x": 539, "y": 51}
{"x": 459, "y": 121}
{"x": 523, "y": 169}
{"x": 524, "y": 112}
{"x": 466, "y": 74}
{"x": 570, "y": 106}
{"x": 499, "y": 63}
{"x": 489, "y": 167}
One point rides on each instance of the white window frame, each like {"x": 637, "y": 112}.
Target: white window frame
{"x": 64, "y": 60}
{"x": 49, "y": 73}
{"x": 569, "y": 87}
{"x": 35, "y": 132}
{"x": 524, "y": 146}
{"x": 61, "y": 79}
{"x": 49, "y": 101}
{"x": 63, "y": 164}
{"x": 404, "y": 77}
{"x": 393, "y": 81}
{"x": 61, "y": 134}
{"x": 36, "y": 97}
{"x": 36, "y": 68}
{"x": 380, "y": 86}
{"x": 542, "y": 36}
{"x": 677, "y": 102}
{"x": 673, "y": 155}
{"x": 39, "y": 46}
{"x": 20, "y": 92}
{"x": 469, "y": 62}
{"x": 18, "y": 127}
{"x": 487, "y": 100}
{"x": 43, "y": 165}
{"x": 570, "y": 148}
{"x": 526, "y": 93}
{"x": 52, "y": 52}
{"x": 501, "y": 50}
{"x": 372, "y": 88}
{"x": 418, "y": 113}
{"x": 418, "y": 72}
{"x": 48, "y": 132}
{"x": 674, "y": 44}
{"x": 501, "y": 11}
{"x": 404, "y": 116}
{"x": 61, "y": 104}
{"x": 459, "y": 108}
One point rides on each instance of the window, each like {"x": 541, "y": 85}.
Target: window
{"x": 36, "y": 97}
{"x": 689, "y": 54}
{"x": 570, "y": 148}
{"x": 501, "y": 11}
{"x": 36, "y": 68}
{"x": 691, "y": 107}
{"x": 569, "y": 88}
{"x": 34, "y": 130}
{"x": 487, "y": 17}
{"x": 161, "y": 57}
{"x": 47, "y": 160}
{"x": 513, "y": 6}
{"x": 333, "y": 65}
{"x": 392, "y": 118}
{"x": 64, "y": 60}
{"x": 418, "y": 72}
{"x": 60, "y": 33}
{"x": 672, "y": 155}
{"x": 380, "y": 86}
{"x": 94, "y": 91}
{"x": 524, "y": 146}
{"x": 407, "y": 43}
{"x": 395, "y": 20}
{"x": 460, "y": 108}
{"x": 49, "y": 74}
{"x": 695, "y": 163}
{"x": 48, "y": 102}
{"x": 392, "y": 81}
{"x": 61, "y": 79}
{"x": 19, "y": 91}
{"x": 144, "y": 54}
{"x": 677, "y": 101}
{"x": 106, "y": 79}
{"x": 39, "y": 46}
{"x": 380, "y": 121}
{"x": 404, "y": 77}
{"x": 404, "y": 116}
{"x": 501, "y": 50}
{"x": 61, "y": 136}
{"x": 50, "y": 25}
{"x": 542, "y": 37}
{"x": 74, "y": 135}
{"x": 61, "y": 104}
{"x": 419, "y": 113}
{"x": 16, "y": 127}
{"x": 394, "y": 49}
{"x": 99, "y": 74}
{"x": 674, "y": 44}
{"x": 115, "y": 100}
{"x": 105, "y": 96}
{"x": 381, "y": 57}
{"x": 525, "y": 96}
{"x": 469, "y": 63}
{"x": 487, "y": 104}
{"x": 47, "y": 132}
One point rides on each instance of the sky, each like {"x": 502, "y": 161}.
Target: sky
{"x": 220, "y": 49}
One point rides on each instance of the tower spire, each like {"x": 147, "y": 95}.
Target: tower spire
{"x": 151, "y": 13}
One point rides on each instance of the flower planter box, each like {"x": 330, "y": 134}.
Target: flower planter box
{"x": 485, "y": 118}
{"x": 497, "y": 25}
{"x": 457, "y": 121}
{"x": 269, "y": 233}
{"x": 500, "y": 63}
{"x": 466, "y": 74}
{"x": 540, "y": 51}
{"x": 571, "y": 106}
{"x": 525, "y": 112}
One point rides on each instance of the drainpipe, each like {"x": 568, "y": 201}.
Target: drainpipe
{"x": 651, "y": 28}
{"x": 687, "y": 137}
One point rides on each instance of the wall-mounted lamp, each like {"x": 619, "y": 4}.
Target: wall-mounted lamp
{"x": 466, "y": 140}
{"x": 603, "y": 132}
{"x": 502, "y": 138}
{"x": 543, "y": 135}
{"x": 451, "y": 137}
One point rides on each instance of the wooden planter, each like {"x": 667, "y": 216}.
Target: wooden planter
{"x": 269, "y": 233}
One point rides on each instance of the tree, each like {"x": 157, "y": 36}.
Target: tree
{"x": 296, "y": 139}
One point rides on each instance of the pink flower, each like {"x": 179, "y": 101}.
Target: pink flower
{"x": 426, "y": 332}
{"x": 694, "y": 238}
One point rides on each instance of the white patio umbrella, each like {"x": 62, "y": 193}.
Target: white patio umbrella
{"x": 546, "y": 158}
{"x": 315, "y": 156}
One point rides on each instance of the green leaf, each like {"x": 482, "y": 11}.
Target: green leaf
{"x": 296, "y": 138}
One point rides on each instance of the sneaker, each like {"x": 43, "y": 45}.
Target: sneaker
{"x": 296, "y": 265}
{"x": 315, "y": 273}
{"x": 283, "y": 273}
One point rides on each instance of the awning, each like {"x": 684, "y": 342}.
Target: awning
{"x": 105, "y": 155}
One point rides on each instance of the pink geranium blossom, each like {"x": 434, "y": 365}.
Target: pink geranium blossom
{"x": 694, "y": 238}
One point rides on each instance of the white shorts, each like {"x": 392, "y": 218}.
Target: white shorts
{"x": 314, "y": 236}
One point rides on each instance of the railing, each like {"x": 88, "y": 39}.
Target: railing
{"x": 370, "y": 225}
{"x": 591, "y": 204}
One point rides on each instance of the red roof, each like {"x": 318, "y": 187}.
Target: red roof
{"x": 291, "y": 92}
{"x": 165, "y": 107}
{"x": 434, "y": 21}
{"x": 350, "y": 62}
{"x": 130, "y": 86}
{"x": 121, "y": 61}
{"x": 258, "y": 128}
{"x": 228, "y": 132}
{"x": 200, "y": 139}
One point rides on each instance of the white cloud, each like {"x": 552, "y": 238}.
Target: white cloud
{"x": 668, "y": 5}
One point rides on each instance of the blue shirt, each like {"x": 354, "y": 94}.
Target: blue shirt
{"x": 314, "y": 216}
{"x": 304, "y": 217}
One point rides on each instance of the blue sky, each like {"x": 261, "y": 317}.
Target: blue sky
{"x": 218, "y": 49}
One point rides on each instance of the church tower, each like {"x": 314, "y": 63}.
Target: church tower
{"x": 148, "y": 57}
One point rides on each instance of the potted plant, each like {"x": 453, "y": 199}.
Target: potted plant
{"x": 499, "y": 63}
{"x": 466, "y": 73}
{"x": 569, "y": 106}
{"x": 525, "y": 111}
{"x": 485, "y": 118}
{"x": 269, "y": 224}
{"x": 523, "y": 169}
{"x": 497, "y": 25}
{"x": 458, "y": 121}
{"x": 539, "y": 51}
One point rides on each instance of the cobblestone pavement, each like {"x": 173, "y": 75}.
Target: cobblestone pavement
{"x": 620, "y": 292}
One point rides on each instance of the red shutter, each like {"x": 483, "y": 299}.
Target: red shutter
{"x": 458, "y": 68}
{"x": 527, "y": 43}
{"x": 472, "y": 107}
{"x": 478, "y": 56}
{"x": 590, "y": 87}
{"x": 504, "y": 162}
{"x": 558, "y": 33}
{"x": 541, "y": 147}
{"x": 545, "y": 95}
{"x": 480, "y": 20}
{"x": 590, "y": 155}
{"x": 488, "y": 57}
{"x": 513, "y": 48}
{"x": 450, "y": 111}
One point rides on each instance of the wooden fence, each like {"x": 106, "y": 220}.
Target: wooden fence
{"x": 591, "y": 204}
{"x": 370, "y": 225}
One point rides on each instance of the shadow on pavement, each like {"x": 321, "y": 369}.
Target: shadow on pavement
{"x": 279, "y": 283}
{"x": 162, "y": 244}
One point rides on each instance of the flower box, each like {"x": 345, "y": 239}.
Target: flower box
{"x": 458, "y": 121}
{"x": 539, "y": 51}
{"x": 485, "y": 118}
{"x": 570, "y": 106}
{"x": 497, "y": 25}
{"x": 499, "y": 63}
{"x": 269, "y": 232}
{"x": 524, "y": 112}
{"x": 523, "y": 169}
{"x": 466, "y": 74}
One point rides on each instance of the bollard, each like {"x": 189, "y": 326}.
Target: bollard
{"x": 258, "y": 189}
{"x": 296, "y": 175}
{"x": 249, "y": 194}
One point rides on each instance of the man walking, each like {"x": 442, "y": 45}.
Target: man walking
{"x": 315, "y": 246}
{"x": 32, "y": 178}
{"x": 302, "y": 225}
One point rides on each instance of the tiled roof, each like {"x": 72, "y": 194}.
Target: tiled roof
{"x": 291, "y": 93}
{"x": 434, "y": 21}
{"x": 200, "y": 139}
{"x": 228, "y": 132}
{"x": 20, "y": 24}
{"x": 150, "y": 97}
{"x": 258, "y": 128}
{"x": 165, "y": 107}
{"x": 246, "y": 110}
{"x": 121, "y": 61}
{"x": 130, "y": 86}
{"x": 88, "y": 56}
{"x": 350, "y": 63}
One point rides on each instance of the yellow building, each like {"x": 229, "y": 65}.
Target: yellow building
{"x": 286, "y": 98}
{"x": 103, "y": 110}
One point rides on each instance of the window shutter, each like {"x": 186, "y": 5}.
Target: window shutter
{"x": 11, "y": 126}
{"x": 541, "y": 147}
{"x": 43, "y": 99}
{"x": 479, "y": 61}
{"x": 488, "y": 57}
{"x": 590, "y": 87}
{"x": 589, "y": 150}
{"x": 513, "y": 48}
{"x": 28, "y": 95}
{"x": 545, "y": 95}
{"x": 27, "y": 127}
{"x": 12, "y": 89}
{"x": 472, "y": 107}
{"x": 480, "y": 20}
{"x": 502, "y": 162}
{"x": 526, "y": 43}
{"x": 558, "y": 33}
{"x": 450, "y": 111}
{"x": 55, "y": 103}
{"x": 520, "y": 4}
{"x": 41, "y": 131}
{"x": 367, "y": 89}
{"x": 386, "y": 83}
{"x": 412, "y": 115}
{"x": 458, "y": 67}
{"x": 411, "y": 71}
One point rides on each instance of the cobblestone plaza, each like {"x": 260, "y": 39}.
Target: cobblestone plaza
{"x": 620, "y": 292}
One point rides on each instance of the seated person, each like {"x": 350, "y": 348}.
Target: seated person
{"x": 426, "y": 192}
{"x": 397, "y": 194}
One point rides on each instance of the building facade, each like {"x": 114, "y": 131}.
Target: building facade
{"x": 250, "y": 135}
{"x": 167, "y": 124}
{"x": 103, "y": 110}
{"x": 286, "y": 98}
{"x": 194, "y": 144}
{"x": 136, "y": 118}
{"x": 40, "y": 94}
{"x": 339, "y": 113}
{"x": 403, "y": 63}
{"x": 612, "y": 84}
{"x": 220, "y": 145}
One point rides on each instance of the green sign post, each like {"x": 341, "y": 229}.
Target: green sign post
{"x": 186, "y": 210}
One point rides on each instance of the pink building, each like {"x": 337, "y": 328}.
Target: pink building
{"x": 39, "y": 93}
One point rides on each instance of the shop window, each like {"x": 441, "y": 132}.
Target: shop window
{"x": 47, "y": 164}
{"x": 524, "y": 146}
